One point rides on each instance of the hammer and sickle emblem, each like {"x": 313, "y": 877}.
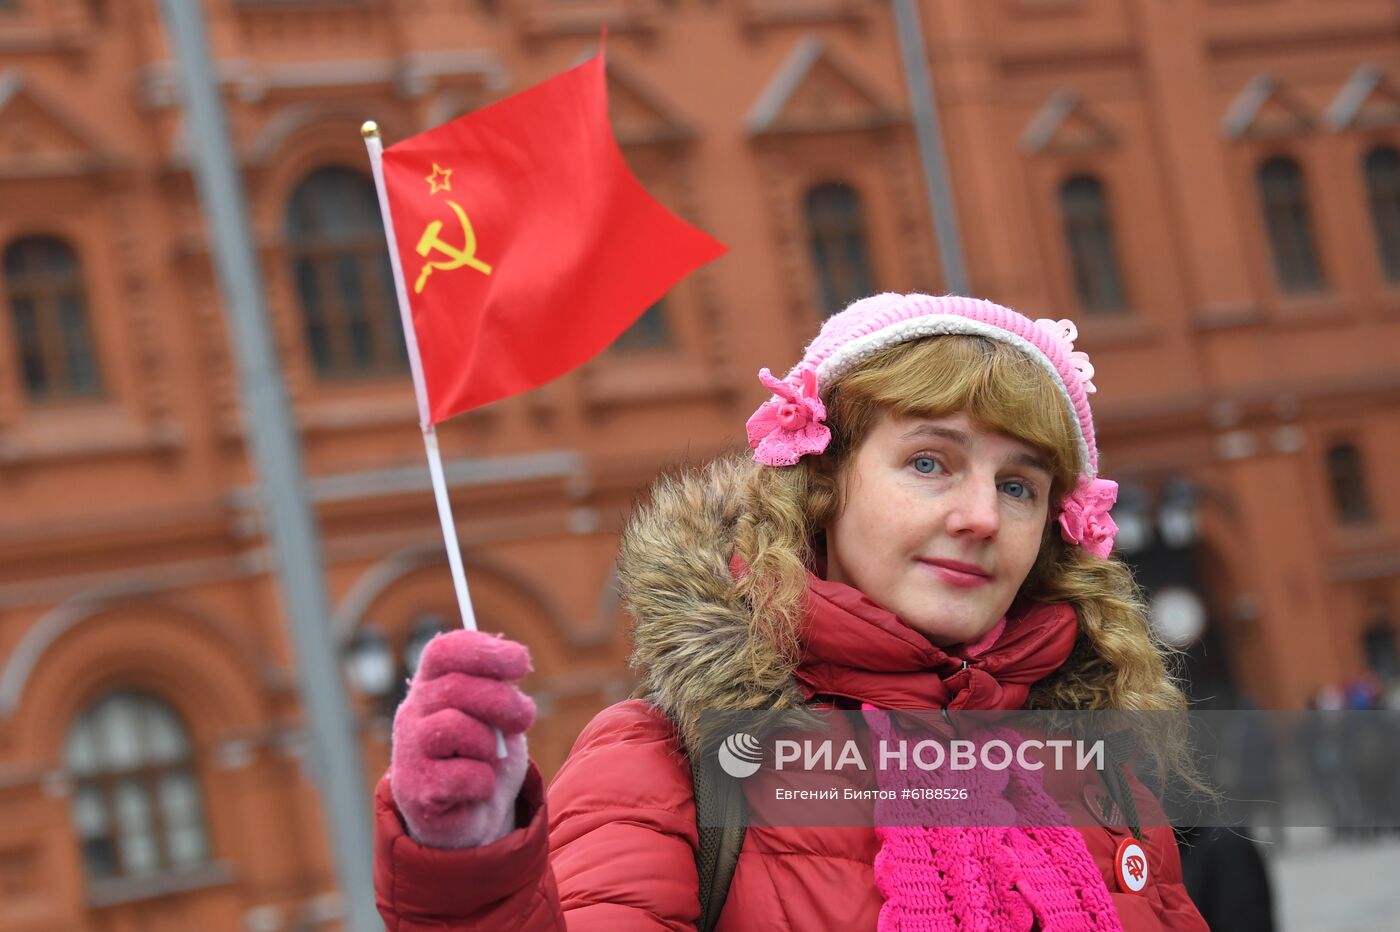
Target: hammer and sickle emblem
{"x": 456, "y": 258}
{"x": 1136, "y": 867}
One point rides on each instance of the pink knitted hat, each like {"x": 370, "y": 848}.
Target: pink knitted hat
{"x": 790, "y": 424}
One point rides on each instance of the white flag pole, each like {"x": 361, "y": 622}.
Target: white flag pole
{"x": 370, "y": 132}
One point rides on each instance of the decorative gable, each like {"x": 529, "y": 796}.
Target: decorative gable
{"x": 1264, "y": 109}
{"x": 1066, "y": 124}
{"x": 38, "y": 137}
{"x": 1368, "y": 99}
{"x": 813, "y": 92}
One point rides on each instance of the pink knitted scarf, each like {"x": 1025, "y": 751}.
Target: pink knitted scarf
{"x": 1015, "y": 860}
{"x": 1014, "y": 863}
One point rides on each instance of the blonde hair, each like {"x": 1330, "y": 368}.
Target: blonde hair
{"x": 1116, "y": 664}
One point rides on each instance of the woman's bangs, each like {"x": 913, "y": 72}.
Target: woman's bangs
{"x": 996, "y": 385}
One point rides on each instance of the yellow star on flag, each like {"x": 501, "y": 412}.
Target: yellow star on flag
{"x": 440, "y": 179}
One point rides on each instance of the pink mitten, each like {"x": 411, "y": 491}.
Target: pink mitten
{"x": 451, "y": 788}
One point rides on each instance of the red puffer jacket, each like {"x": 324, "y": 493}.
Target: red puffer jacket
{"x": 616, "y": 850}
{"x": 615, "y": 847}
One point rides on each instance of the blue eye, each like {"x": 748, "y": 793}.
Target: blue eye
{"x": 925, "y": 464}
{"x": 1018, "y": 490}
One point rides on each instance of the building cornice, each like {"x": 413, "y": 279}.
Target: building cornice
{"x": 1261, "y": 404}
{"x": 413, "y": 74}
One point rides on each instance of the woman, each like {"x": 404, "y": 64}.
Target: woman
{"x": 920, "y": 526}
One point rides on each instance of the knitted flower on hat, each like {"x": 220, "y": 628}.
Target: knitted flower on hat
{"x": 789, "y": 426}
{"x": 1084, "y": 516}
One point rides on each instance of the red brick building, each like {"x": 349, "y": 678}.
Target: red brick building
{"x": 1210, "y": 188}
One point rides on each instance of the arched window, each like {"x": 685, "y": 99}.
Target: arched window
{"x": 1347, "y": 474}
{"x": 1383, "y": 191}
{"x": 1284, "y": 196}
{"x": 136, "y": 806}
{"x": 1089, "y": 236}
{"x": 836, "y": 231}
{"x": 341, "y": 268}
{"x": 48, "y": 311}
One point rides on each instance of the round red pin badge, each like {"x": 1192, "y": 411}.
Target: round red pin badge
{"x": 1131, "y": 866}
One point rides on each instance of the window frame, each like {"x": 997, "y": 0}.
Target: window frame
{"x": 336, "y": 317}
{"x": 839, "y": 233}
{"x": 1107, "y": 228}
{"x": 147, "y": 773}
{"x": 1380, "y": 641}
{"x": 1387, "y": 247}
{"x": 651, "y": 332}
{"x": 1305, "y": 235}
{"x": 1338, "y": 488}
{"x": 47, "y": 289}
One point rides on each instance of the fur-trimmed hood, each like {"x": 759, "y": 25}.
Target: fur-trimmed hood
{"x": 694, "y": 646}
{"x": 698, "y": 649}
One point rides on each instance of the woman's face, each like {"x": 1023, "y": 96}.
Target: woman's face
{"x": 940, "y": 523}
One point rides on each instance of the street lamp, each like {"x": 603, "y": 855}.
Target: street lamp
{"x": 380, "y": 673}
{"x": 1178, "y": 616}
{"x": 369, "y": 662}
{"x": 1177, "y": 516}
{"x": 424, "y": 630}
{"x": 1130, "y": 513}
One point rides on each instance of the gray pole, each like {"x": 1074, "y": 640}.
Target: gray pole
{"x": 930, "y": 135}
{"x": 335, "y": 761}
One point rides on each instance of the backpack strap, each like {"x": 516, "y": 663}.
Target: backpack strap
{"x": 1120, "y": 746}
{"x": 721, "y": 822}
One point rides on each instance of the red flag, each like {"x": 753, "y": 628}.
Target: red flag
{"x": 527, "y": 246}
